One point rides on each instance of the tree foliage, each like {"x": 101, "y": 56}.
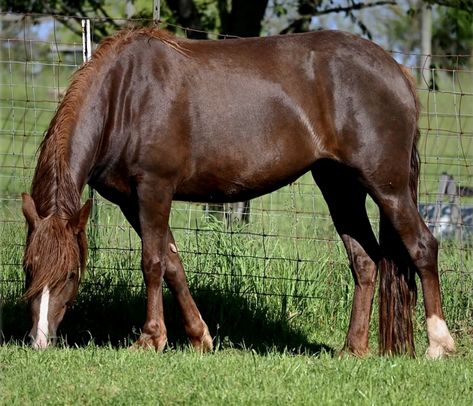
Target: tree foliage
{"x": 461, "y": 5}
{"x": 452, "y": 35}
{"x": 310, "y": 8}
{"x": 72, "y": 8}
{"x": 235, "y": 17}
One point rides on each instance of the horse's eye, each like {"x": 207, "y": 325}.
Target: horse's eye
{"x": 72, "y": 275}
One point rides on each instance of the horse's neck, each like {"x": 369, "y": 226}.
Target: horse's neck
{"x": 85, "y": 144}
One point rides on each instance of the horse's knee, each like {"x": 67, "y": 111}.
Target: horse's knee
{"x": 153, "y": 268}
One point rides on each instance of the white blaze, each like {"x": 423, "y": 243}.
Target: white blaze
{"x": 41, "y": 340}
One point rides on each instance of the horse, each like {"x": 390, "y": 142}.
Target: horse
{"x": 152, "y": 118}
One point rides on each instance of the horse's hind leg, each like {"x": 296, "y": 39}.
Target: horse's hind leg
{"x": 175, "y": 278}
{"x": 346, "y": 200}
{"x": 422, "y": 248}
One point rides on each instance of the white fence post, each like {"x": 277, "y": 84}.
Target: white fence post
{"x": 86, "y": 56}
{"x": 156, "y": 11}
{"x": 86, "y": 40}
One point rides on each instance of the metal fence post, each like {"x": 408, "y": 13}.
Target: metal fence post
{"x": 156, "y": 11}
{"x": 93, "y": 222}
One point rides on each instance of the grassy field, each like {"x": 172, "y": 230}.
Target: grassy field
{"x": 276, "y": 293}
{"x": 97, "y": 375}
{"x": 277, "y": 336}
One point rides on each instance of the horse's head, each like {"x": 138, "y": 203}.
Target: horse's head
{"x": 54, "y": 261}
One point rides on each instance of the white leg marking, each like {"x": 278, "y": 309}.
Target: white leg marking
{"x": 41, "y": 340}
{"x": 440, "y": 340}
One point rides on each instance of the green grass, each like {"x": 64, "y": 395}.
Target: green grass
{"x": 239, "y": 283}
{"x": 96, "y": 375}
{"x": 278, "y": 325}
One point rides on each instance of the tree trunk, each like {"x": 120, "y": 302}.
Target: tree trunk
{"x": 244, "y": 19}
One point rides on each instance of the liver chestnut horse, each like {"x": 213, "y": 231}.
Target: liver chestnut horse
{"x": 152, "y": 118}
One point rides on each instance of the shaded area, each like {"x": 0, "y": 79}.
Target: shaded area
{"x": 116, "y": 317}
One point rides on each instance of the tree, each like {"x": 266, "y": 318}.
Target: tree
{"x": 235, "y": 17}
{"x": 311, "y": 8}
{"x": 452, "y": 36}
{"x": 465, "y": 5}
{"x": 241, "y": 18}
{"x": 452, "y": 30}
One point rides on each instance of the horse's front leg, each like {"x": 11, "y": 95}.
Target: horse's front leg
{"x": 175, "y": 278}
{"x": 153, "y": 267}
{"x": 153, "y": 218}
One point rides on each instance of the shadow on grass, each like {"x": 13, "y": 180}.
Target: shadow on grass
{"x": 116, "y": 317}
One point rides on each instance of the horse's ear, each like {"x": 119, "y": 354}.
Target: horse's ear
{"x": 79, "y": 221}
{"x": 29, "y": 210}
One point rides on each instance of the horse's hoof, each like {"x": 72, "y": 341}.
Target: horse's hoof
{"x": 147, "y": 342}
{"x": 441, "y": 342}
{"x": 204, "y": 343}
{"x": 439, "y": 351}
{"x": 352, "y": 352}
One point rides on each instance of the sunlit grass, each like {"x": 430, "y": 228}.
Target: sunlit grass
{"x": 96, "y": 375}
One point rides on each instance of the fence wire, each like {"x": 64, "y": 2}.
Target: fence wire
{"x": 289, "y": 239}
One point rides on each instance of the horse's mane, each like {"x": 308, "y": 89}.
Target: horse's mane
{"x": 53, "y": 188}
{"x": 54, "y": 191}
{"x": 48, "y": 265}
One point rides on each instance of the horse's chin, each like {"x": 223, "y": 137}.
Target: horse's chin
{"x": 40, "y": 343}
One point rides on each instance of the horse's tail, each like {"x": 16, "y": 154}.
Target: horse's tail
{"x": 398, "y": 293}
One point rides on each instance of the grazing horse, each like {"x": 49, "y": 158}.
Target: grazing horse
{"x": 152, "y": 118}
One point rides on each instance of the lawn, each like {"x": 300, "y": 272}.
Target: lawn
{"x": 277, "y": 339}
{"x": 98, "y": 375}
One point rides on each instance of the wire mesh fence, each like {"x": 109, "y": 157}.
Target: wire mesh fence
{"x": 289, "y": 240}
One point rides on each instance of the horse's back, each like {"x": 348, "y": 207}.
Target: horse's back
{"x": 239, "y": 118}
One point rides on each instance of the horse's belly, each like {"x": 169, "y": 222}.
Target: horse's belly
{"x": 232, "y": 187}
